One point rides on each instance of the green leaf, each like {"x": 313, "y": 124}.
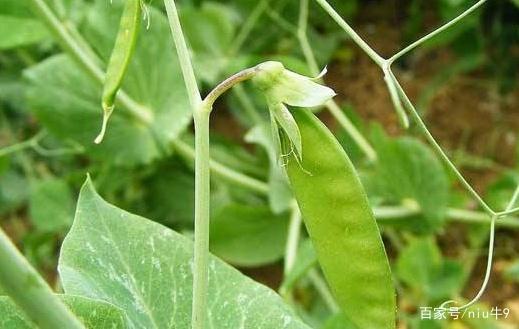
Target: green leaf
{"x": 17, "y": 32}
{"x": 51, "y": 205}
{"x": 248, "y": 235}
{"x": 95, "y": 314}
{"x": 421, "y": 266}
{"x": 144, "y": 268}
{"x": 66, "y": 101}
{"x": 407, "y": 169}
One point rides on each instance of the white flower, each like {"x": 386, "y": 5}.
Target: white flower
{"x": 283, "y": 87}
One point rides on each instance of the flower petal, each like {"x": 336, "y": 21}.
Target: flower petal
{"x": 297, "y": 90}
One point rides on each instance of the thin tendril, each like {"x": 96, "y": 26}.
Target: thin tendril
{"x": 488, "y": 272}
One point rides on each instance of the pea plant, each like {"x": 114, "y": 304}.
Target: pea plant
{"x": 144, "y": 69}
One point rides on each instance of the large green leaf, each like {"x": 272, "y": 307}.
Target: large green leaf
{"x": 145, "y": 269}
{"x": 67, "y": 102}
{"x": 93, "y": 313}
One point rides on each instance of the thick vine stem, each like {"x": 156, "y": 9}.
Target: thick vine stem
{"x": 202, "y": 172}
{"x": 202, "y": 217}
{"x": 30, "y": 292}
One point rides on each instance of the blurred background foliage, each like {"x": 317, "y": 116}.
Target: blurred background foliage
{"x": 464, "y": 83}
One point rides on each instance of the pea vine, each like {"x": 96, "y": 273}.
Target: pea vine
{"x": 399, "y": 95}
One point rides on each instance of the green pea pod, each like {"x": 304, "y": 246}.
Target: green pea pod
{"x": 341, "y": 225}
{"x": 120, "y": 58}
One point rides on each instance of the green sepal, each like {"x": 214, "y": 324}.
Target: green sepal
{"x": 284, "y": 118}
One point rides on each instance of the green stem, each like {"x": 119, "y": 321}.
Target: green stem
{"x": 183, "y": 55}
{"x": 350, "y": 128}
{"x": 222, "y": 171}
{"x": 76, "y": 50}
{"x": 351, "y": 32}
{"x": 30, "y": 143}
{"x": 382, "y": 213}
{"x": 202, "y": 199}
{"x": 228, "y": 84}
{"x": 322, "y": 288}
{"x": 423, "y": 128}
{"x": 475, "y": 217}
{"x": 30, "y": 291}
{"x": 202, "y": 171}
{"x": 435, "y": 32}
{"x": 331, "y": 105}
{"x": 294, "y": 232}
{"x": 391, "y": 213}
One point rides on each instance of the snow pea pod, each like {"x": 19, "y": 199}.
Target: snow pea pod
{"x": 120, "y": 58}
{"x": 341, "y": 226}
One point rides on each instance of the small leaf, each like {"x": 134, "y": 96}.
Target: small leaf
{"x": 239, "y": 233}
{"x": 145, "y": 269}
